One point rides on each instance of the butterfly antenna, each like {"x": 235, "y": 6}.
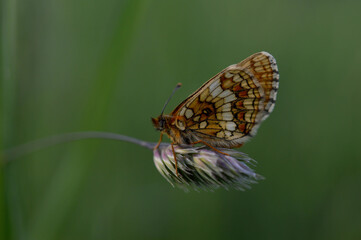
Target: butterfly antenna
{"x": 174, "y": 90}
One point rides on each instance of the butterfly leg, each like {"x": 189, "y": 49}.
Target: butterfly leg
{"x": 175, "y": 160}
{"x": 207, "y": 144}
{"x": 160, "y": 140}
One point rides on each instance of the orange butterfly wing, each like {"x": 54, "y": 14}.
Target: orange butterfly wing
{"x": 227, "y": 110}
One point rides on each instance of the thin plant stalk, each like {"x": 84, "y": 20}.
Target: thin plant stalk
{"x": 27, "y": 148}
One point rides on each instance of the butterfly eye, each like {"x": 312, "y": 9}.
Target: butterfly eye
{"x": 161, "y": 123}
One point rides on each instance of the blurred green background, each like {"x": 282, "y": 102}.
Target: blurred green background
{"x": 110, "y": 65}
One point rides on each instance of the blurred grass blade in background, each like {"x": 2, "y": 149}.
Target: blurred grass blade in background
{"x": 11, "y": 216}
{"x": 63, "y": 192}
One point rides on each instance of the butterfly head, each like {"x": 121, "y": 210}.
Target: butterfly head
{"x": 159, "y": 123}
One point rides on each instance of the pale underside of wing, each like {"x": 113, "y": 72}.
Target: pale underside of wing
{"x": 227, "y": 110}
{"x": 264, "y": 68}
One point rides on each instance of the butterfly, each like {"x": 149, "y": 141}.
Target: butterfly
{"x": 227, "y": 110}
